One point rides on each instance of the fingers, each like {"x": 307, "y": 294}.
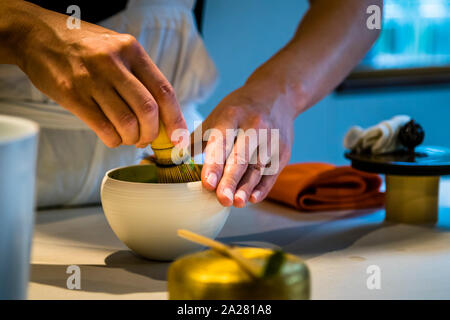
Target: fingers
{"x": 144, "y": 106}
{"x": 244, "y": 178}
{"x": 91, "y": 114}
{"x": 236, "y": 165}
{"x": 271, "y": 169}
{"x": 262, "y": 189}
{"x": 248, "y": 183}
{"x": 216, "y": 152}
{"x": 140, "y": 95}
{"x": 152, "y": 78}
{"x": 118, "y": 112}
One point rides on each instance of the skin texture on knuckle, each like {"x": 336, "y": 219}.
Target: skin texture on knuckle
{"x": 178, "y": 121}
{"x": 238, "y": 158}
{"x": 214, "y": 168}
{"x": 257, "y": 121}
{"x": 99, "y": 54}
{"x": 256, "y": 168}
{"x": 127, "y": 120}
{"x": 129, "y": 125}
{"x": 107, "y": 134}
{"x": 69, "y": 95}
{"x": 230, "y": 179}
{"x": 215, "y": 154}
{"x": 148, "y": 108}
{"x": 173, "y": 124}
{"x": 103, "y": 54}
{"x": 106, "y": 64}
{"x": 128, "y": 40}
{"x": 80, "y": 71}
{"x": 165, "y": 92}
{"x": 231, "y": 112}
{"x": 82, "y": 81}
{"x": 129, "y": 43}
{"x": 105, "y": 127}
{"x": 101, "y": 57}
{"x": 65, "y": 86}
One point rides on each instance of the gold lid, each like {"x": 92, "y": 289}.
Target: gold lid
{"x": 210, "y": 275}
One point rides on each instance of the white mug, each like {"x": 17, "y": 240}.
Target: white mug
{"x": 18, "y": 154}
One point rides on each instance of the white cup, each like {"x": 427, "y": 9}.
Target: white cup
{"x": 18, "y": 154}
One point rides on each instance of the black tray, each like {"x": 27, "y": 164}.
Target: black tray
{"x": 425, "y": 161}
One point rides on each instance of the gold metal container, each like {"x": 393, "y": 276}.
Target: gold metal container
{"x": 208, "y": 275}
{"x": 413, "y": 200}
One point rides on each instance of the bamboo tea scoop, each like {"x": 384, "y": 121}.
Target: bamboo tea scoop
{"x": 248, "y": 265}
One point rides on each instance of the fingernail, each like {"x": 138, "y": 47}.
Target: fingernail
{"x": 256, "y": 195}
{"x": 228, "y": 193}
{"x": 241, "y": 195}
{"x": 212, "y": 179}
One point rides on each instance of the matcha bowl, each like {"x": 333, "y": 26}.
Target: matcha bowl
{"x": 145, "y": 214}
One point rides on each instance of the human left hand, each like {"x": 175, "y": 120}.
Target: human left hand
{"x": 230, "y": 167}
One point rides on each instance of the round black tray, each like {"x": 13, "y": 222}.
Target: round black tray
{"x": 425, "y": 161}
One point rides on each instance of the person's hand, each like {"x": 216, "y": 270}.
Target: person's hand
{"x": 103, "y": 77}
{"x": 231, "y": 166}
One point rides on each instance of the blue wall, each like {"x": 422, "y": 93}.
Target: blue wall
{"x": 240, "y": 35}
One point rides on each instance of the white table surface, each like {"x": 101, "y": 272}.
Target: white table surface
{"x": 338, "y": 247}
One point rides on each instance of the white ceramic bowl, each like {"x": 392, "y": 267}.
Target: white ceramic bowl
{"x": 146, "y": 215}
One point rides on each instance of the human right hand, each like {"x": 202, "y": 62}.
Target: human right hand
{"x": 103, "y": 77}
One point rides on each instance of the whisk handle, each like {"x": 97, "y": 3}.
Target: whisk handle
{"x": 162, "y": 141}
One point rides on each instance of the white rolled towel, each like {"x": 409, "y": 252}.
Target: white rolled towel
{"x": 381, "y": 138}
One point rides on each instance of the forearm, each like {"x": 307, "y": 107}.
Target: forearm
{"x": 15, "y": 25}
{"x": 329, "y": 42}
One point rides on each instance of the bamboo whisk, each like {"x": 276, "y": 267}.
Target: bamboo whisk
{"x": 169, "y": 172}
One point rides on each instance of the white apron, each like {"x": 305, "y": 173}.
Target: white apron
{"x": 71, "y": 159}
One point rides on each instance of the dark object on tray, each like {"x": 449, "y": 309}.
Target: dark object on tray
{"x": 411, "y": 135}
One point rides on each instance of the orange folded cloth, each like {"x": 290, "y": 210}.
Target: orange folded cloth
{"x": 321, "y": 186}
